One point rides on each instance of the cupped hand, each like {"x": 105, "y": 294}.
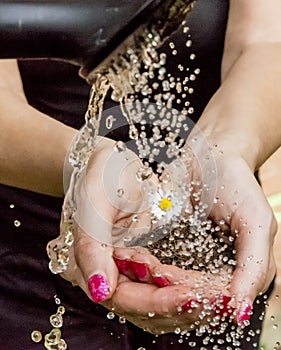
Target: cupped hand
{"x": 108, "y": 207}
{"x": 248, "y": 216}
{"x": 155, "y": 297}
{"x": 239, "y": 207}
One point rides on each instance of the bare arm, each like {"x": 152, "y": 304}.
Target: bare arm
{"x": 250, "y": 22}
{"x": 245, "y": 111}
{"x": 32, "y": 145}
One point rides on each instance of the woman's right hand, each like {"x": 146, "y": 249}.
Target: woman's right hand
{"x": 110, "y": 206}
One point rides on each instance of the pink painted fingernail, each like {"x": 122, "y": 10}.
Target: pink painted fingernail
{"x": 140, "y": 269}
{"x": 189, "y": 305}
{"x": 245, "y": 313}
{"x": 221, "y": 306}
{"x": 124, "y": 265}
{"x": 98, "y": 287}
{"x": 160, "y": 281}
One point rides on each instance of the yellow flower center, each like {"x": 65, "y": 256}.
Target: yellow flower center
{"x": 165, "y": 204}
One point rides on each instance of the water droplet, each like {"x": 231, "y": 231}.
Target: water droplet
{"x": 127, "y": 239}
{"x": 250, "y": 257}
{"x": 135, "y": 218}
{"x": 109, "y": 121}
{"x": 52, "y": 338}
{"x": 192, "y": 56}
{"x": 57, "y": 300}
{"x": 36, "y": 336}
{"x": 165, "y": 85}
{"x": 17, "y": 223}
{"x": 12, "y": 206}
{"x": 120, "y": 192}
{"x": 151, "y": 314}
{"x": 110, "y": 315}
{"x": 61, "y": 310}
{"x": 122, "y": 319}
{"x": 162, "y": 71}
{"x": 56, "y": 320}
{"x": 144, "y": 173}
{"x": 120, "y": 146}
{"x": 133, "y": 133}
{"x": 188, "y": 43}
{"x": 192, "y": 344}
{"x": 62, "y": 345}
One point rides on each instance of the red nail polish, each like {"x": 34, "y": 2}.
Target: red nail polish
{"x": 123, "y": 265}
{"x": 140, "y": 269}
{"x": 189, "y": 305}
{"x": 245, "y": 313}
{"x": 98, "y": 287}
{"x": 160, "y": 281}
{"x": 221, "y": 306}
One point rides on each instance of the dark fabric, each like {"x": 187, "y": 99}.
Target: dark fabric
{"x": 27, "y": 288}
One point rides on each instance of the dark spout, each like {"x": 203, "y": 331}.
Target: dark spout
{"x": 82, "y": 32}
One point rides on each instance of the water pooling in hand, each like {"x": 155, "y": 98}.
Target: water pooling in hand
{"x": 149, "y": 96}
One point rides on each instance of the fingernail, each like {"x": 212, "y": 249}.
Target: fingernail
{"x": 189, "y": 305}
{"x": 245, "y": 313}
{"x": 160, "y": 281}
{"x": 221, "y": 306}
{"x": 140, "y": 269}
{"x": 98, "y": 287}
{"x": 123, "y": 265}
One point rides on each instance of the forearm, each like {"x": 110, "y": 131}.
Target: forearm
{"x": 32, "y": 146}
{"x": 244, "y": 115}
{"x": 250, "y": 22}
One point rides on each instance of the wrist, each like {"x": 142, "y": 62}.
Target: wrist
{"x": 79, "y": 151}
{"x": 226, "y": 135}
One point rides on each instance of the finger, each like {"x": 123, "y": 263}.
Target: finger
{"x": 172, "y": 305}
{"x": 160, "y": 318}
{"x": 142, "y": 299}
{"x": 255, "y": 268}
{"x": 136, "y": 263}
{"x": 93, "y": 250}
{"x": 97, "y": 266}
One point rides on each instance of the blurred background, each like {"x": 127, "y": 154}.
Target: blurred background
{"x": 270, "y": 175}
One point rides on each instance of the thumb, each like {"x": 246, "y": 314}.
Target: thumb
{"x": 97, "y": 266}
{"x": 93, "y": 240}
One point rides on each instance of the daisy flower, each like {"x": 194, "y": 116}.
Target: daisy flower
{"x": 165, "y": 204}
